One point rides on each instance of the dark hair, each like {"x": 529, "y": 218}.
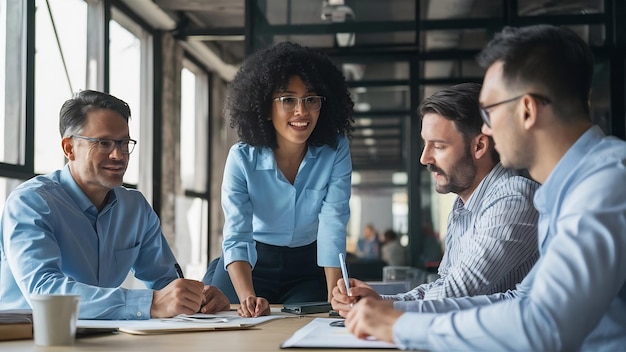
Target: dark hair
{"x": 389, "y": 235}
{"x": 459, "y": 103}
{"x": 74, "y": 111}
{"x": 265, "y": 72}
{"x": 552, "y": 59}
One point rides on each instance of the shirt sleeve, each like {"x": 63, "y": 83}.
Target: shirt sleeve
{"x": 335, "y": 211}
{"x": 570, "y": 290}
{"x": 35, "y": 259}
{"x": 238, "y": 242}
{"x": 503, "y": 240}
{"x": 412, "y": 295}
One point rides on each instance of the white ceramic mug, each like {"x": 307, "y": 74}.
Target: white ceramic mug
{"x": 54, "y": 319}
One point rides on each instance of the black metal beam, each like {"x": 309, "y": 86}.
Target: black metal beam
{"x": 378, "y": 127}
{"x": 215, "y": 32}
{"x": 378, "y": 165}
{"x": 15, "y": 171}
{"x": 382, "y": 113}
{"x": 157, "y": 116}
{"x": 379, "y": 83}
{"x": 29, "y": 150}
{"x": 617, "y": 80}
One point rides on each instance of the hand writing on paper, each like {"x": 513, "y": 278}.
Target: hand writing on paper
{"x": 214, "y": 300}
{"x": 342, "y": 302}
{"x": 371, "y": 317}
{"x": 181, "y": 296}
{"x": 254, "y": 307}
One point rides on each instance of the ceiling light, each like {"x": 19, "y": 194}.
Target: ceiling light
{"x": 337, "y": 12}
{"x": 361, "y": 107}
{"x": 364, "y": 121}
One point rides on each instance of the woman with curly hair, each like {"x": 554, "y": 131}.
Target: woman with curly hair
{"x": 286, "y": 184}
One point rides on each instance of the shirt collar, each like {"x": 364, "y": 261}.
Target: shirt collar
{"x": 476, "y": 197}
{"x": 76, "y": 193}
{"x": 550, "y": 189}
{"x": 266, "y": 160}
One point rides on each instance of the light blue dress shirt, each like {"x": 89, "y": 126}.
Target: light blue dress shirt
{"x": 574, "y": 298}
{"x": 261, "y": 205}
{"x": 54, "y": 241}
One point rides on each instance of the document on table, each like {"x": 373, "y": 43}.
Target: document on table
{"x": 182, "y": 323}
{"x": 320, "y": 334}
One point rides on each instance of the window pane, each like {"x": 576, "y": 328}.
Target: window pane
{"x": 192, "y": 228}
{"x": 125, "y": 83}
{"x": 7, "y": 185}
{"x": 194, "y": 128}
{"x": 60, "y": 72}
{"x": 187, "y": 122}
{"x": 12, "y": 39}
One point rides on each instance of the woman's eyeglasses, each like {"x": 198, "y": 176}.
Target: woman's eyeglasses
{"x": 311, "y": 103}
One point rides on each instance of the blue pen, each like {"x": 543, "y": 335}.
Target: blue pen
{"x": 344, "y": 272}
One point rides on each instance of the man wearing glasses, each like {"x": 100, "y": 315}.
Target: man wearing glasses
{"x": 78, "y": 231}
{"x": 535, "y": 99}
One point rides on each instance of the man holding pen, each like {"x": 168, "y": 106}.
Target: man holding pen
{"x": 78, "y": 231}
{"x": 492, "y": 229}
{"x": 535, "y": 103}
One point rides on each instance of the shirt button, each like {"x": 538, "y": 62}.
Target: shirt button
{"x": 139, "y": 314}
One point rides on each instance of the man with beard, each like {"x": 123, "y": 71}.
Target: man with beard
{"x": 535, "y": 102}
{"x": 78, "y": 231}
{"x": 491, "y": 241}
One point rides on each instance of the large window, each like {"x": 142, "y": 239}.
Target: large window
{"x": 60, "y": 61}
{"x": 12, "y": 70}
{"x": 192, "y": 213}
{"x": 130, "y": 55}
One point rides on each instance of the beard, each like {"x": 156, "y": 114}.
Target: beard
{"x": 460, "y": 176}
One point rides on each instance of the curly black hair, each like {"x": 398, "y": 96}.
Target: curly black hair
{"x": 268, "y": 71}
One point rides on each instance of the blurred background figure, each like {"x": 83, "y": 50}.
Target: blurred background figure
{"x": 433, "y": 251}
{"x": 368, "y": 246}
{"x": 392, "y": 251}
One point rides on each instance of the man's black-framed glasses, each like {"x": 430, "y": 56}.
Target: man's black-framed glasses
{"x": 311, "y": 103}
{"x": 106, "y": 146}
{"x": 484, "y": 110}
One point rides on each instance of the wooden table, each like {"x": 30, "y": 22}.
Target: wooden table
{"x": 264, "y": 337}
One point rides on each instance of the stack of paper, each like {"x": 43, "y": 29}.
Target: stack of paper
{"x": 181, "y": 323}
{"x": 16, "y": 324}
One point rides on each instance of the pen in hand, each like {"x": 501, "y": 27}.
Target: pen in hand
{"x": 344, "y": 273}
{"x": 179, "y": 271}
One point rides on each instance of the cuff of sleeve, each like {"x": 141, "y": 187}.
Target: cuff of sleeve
{"x": 138, "y": 304}
{"x": 408, "y": 306}
{"x": 389, "y": 297}
{"x": 245, "y": 252}
{"x": 411, "y": 330}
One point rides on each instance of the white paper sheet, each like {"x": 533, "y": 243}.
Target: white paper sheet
{"x": 320, "y": 334}
{"x": 181, "y": 323}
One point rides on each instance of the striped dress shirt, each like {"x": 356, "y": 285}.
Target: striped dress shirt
{"x": 491, "y": 243}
